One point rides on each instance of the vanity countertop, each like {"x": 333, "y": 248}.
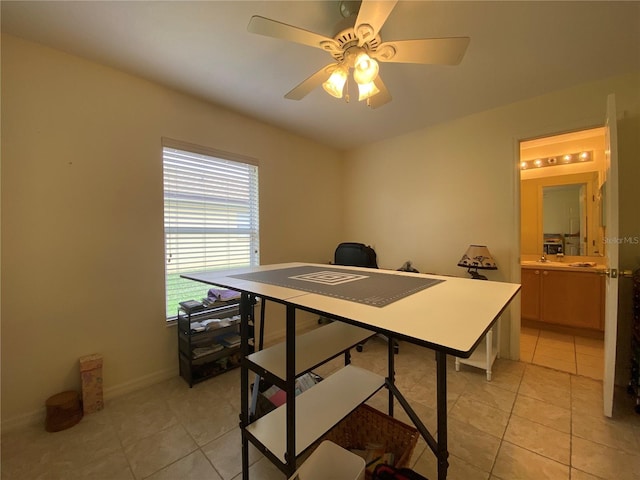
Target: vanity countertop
{"x": 568, "y": 266}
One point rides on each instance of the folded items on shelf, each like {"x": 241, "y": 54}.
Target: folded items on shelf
{"x": 196, "y": 327}
{"x": 202, "y": 351}
{"x": 222, "y": 295}
{"x": 231, "y": 340}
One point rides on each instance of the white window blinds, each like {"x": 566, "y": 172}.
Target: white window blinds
{"x": 210, "y": 218}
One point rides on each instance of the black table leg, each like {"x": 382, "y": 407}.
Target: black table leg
{"x": 391, "y": 373}
{"x": 290, "y": 455}
{"x": 442, "y": 453}
{"x": 245, "y": 306}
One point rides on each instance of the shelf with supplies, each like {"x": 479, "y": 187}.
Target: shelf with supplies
{"x": 317, "y": 410}
{"x": 208, "y": 339}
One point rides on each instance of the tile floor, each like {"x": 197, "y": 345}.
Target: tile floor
{"x": 560, "y": 351}
{"x": 529, "y": 422}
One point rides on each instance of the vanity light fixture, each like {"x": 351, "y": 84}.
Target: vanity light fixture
{"x": 566, "y": 159}
{"x": 477, "y": 257}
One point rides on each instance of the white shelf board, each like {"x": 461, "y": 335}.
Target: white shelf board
{"x": 312, "y": 348}
{"x": 317, "y": 409}
{"x": 479, "y": 356}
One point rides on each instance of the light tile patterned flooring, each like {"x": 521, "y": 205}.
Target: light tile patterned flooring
{"x": 529, "y": 422}
{"x": 560, "y": 351}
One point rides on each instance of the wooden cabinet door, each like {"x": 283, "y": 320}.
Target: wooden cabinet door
{"x": 572, "y": 298}
{"x": 530, "y": 294}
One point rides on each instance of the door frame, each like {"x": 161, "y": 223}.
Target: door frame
{"x": 532, "y": 134}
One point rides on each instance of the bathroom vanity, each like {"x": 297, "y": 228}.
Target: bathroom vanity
{"x": 559, "y": 294}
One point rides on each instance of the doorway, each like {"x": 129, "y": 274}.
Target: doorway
{"x": 561, "y": 221}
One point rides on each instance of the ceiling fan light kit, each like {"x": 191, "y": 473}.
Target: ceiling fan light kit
{"x": 367, "y": 90}
{"x": 335, "y": 84}
{"x": 365, "y": 69}
{"x": 361, "y": 48}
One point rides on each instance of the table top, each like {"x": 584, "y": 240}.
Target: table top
{"x": 451, "y": 316}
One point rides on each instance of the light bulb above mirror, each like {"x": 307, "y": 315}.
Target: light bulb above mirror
{"x": 566, "y": 159}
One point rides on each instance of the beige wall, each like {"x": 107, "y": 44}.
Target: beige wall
{"x": 427, "y": 195}
{"x": 82, "y": 246}
{"x": 82, "y": 217}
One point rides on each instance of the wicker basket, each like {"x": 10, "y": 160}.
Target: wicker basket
{"x": 367, "y": 425}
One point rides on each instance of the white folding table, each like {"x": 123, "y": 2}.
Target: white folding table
{"x": 450, "y": 317}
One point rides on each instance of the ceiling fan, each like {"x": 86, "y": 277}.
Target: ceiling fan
{"x": 360, "y": 47}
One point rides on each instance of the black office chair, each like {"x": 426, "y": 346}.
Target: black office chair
{"x": 354, "y": 254}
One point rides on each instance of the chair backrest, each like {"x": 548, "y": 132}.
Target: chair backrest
{"x": 355, "y": 255}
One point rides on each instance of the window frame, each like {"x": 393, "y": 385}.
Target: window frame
{"x": 249, "y": 205}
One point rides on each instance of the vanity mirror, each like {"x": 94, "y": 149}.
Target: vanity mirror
{"x": 561, "y": 214}
{"x": 564, "y": 219}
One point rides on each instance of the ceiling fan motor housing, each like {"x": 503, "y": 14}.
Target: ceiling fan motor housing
{"x": 346, "y": 40}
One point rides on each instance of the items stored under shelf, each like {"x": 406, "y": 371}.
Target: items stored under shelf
{"x": 321, "y": 406}
{"x": 317, "y": 410}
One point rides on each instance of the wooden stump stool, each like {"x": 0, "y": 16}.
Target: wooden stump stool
{"x": 63, "y": 411}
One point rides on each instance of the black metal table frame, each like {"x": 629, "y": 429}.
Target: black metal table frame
{"x": 502, "y": 295}
{"x": 438, "y": 446}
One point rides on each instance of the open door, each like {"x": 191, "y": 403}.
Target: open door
{"x": 611, "y": 255}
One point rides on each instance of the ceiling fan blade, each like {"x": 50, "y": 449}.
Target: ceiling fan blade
{"x": 311, "y": 83}
{"x": 275, "y": 29}
{"x": 437, "y": 51}
{"x": 371, "y": 18}
{"x": 381, "y": 97}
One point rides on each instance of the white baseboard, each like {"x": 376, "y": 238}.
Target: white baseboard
{"x": 37, "y": 417}
{"x": 140, "y": 383}
{"x": 23, "y": 420}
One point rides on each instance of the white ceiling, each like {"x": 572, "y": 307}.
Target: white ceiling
{"x": 518, "y": 50}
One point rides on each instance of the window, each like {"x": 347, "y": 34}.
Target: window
{"x": 210, "y": 216}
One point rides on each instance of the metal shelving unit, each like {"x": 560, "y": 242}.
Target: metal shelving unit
{"x": 196, "y": 366}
